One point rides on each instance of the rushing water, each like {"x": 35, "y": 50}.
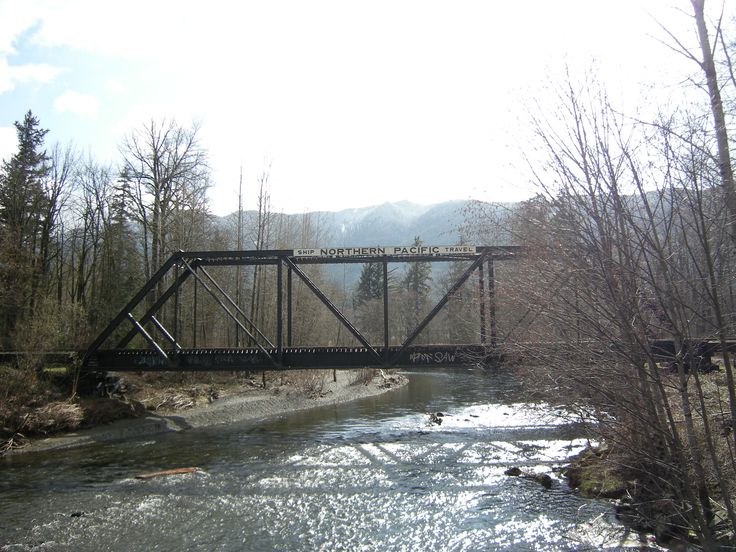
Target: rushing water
{"x": 368, "y": 475}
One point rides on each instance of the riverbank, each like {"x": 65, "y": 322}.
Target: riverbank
{"x": 654, "y": 476}
{"x": 244, "y": 403}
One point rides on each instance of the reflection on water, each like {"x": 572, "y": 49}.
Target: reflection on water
{"x": 369, "y": 475}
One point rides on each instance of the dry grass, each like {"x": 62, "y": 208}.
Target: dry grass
{"x": 362, "y": 376}
{"x": 53, "y": 418}
{"x": 21, "y": 391}
{"x": 17, "y": 386}
{"x": 716, "y": 418}
{"x": 183, "y": 390}
{"x": 180, "y": 399}
{"x": 310, "y": 383}
{"x": 99, "y": 411}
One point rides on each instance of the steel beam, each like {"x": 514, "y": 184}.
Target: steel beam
{"x": 130, "y": 306}
{"x": 289, "y": 298}
{"x": 438, "y": 307}
{"x": 237, "y": 308}
{"x": 176, "y": 301}
{"x": 264, "y": 256}
{"x": 280, "y": 310}
{"x": 385, "y": 311}
{"x": 294, "y": 358}
{"x": 195, "y": 301}
{"x": 165, "y": 333}
{"x": 227, "y": 311}
{"x": 335, "y": 311}
{"x": 492, "y": 302}
{"x": 482, "y": 294}
{"x": 153, "y": 309}
{"x": 148, "y": 337}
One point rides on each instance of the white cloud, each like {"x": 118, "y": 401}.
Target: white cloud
{"x": 70, "y": 101}
{"x": 16, "y": 17}
{"x": 119, "y": 29}
{"x": 12, "y": 75}
{"x": 8, "y": 142}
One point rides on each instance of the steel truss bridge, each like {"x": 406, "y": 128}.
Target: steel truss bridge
{"x": 164, "y": 351}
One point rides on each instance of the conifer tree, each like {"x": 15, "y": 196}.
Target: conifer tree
{"x": 416, "y": 286}
{"x": 24, "y": 207}
{"x": 370, "y": 285}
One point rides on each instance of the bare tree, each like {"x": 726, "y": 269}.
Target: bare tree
{"x": 625, "y": 250}
{"x": 262, "y": 232}
{"x": 57, "y": 188}
{"x": 708, "y": 66}
{"x": 165, "y": 175}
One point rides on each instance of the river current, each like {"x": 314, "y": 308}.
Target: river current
{"x": 369, "y": 475}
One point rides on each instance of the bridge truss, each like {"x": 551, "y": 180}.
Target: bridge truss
{"x": 277, "y": 352}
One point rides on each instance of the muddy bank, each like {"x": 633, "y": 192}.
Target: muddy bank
{"x": 238, "y": 406}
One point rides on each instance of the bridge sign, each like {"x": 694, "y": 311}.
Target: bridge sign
{"x": 380, "y": 251}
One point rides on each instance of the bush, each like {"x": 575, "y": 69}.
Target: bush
{"x": 51, "y": 327}
{"x": 309, "y": 382}
{"x": 363, "y": 376}
{"x": 52, "y": 418}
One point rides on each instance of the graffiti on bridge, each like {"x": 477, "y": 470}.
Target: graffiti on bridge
{"x": 437, "y": 357}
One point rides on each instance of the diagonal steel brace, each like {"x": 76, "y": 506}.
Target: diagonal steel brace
{"x": 438, "y": 307}
{"x": 339, "y": 315}
{"x": 237, "y": 308}
{"x": 227, "y": 311}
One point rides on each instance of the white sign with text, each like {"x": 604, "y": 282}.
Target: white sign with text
{"x": 381, "y": 251}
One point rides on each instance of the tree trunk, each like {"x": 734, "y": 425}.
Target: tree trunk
{"x": 719, "y": 118}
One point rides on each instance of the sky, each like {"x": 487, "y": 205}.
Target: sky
{"x": 342, "y": 103}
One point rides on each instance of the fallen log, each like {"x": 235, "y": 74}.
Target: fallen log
{"x": 175, "y": 471}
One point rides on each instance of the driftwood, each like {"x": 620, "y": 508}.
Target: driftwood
{"x": 13, "y": 441}
{"x": 175, "y": 471}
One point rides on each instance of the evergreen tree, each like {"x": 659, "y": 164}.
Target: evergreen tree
{"x": 24, "y": 208}
{"x": 368, "y": 301}
{"x": 416, "y": 286}
{"x": 370, "y": 285}
{"x": 21, "y": 186}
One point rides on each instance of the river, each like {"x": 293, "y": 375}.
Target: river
{"x": 368, "y": 475}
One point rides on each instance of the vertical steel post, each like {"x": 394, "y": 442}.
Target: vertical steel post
{"x": 492, "y": 301}
{"x": 289, "y": 297}
{"x": 176, "y": 302}
{"x": 482, "y": 292}
{"x": 237, "y": 303}
{"x": 237, "y": 292}
{"x": 280, "y": 309}
{"x": 194, "y": 313}
{"x": 385, "y": 310}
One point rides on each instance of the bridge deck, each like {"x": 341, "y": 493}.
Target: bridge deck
{"x": 288, "y": 358}
{"x": 320, "y": 357}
